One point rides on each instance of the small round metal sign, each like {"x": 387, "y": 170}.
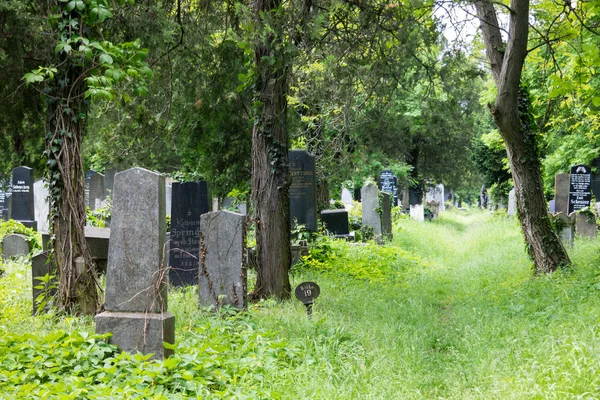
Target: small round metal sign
{"x": 306, "y": 292}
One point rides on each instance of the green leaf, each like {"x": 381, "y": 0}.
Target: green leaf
{"x": 596, "y": 101}
{"x": 106, "y": 59}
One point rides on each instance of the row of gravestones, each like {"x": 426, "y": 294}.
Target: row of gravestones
{"x": 572, "y": 193}
{"x": 136, "y": 310}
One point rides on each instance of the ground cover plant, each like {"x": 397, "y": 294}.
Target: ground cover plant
{"x": 448, "y": 309}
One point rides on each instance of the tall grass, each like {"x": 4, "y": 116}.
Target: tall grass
{"x": 449, "y": 309}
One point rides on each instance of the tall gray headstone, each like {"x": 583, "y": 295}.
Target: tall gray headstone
{"x": 109, "y": 181}
{"x": 370, "y": 205}
{"x": 347, "y": 198}
{"x": 136, "y": 277}
{"x": 512, "y": 203}
{"x": 222, "y": 266}
{"x": 303, "y": 193}
{"x": 22, "y": 209}
{"x": 41, "y": 204}
{"x": 561, "y": 193}
{"x": 169, "y": 197}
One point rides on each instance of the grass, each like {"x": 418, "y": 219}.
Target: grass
{"x": 449, "y": 309}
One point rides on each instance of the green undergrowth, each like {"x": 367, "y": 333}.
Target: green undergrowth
{"x": 448, "y": 310}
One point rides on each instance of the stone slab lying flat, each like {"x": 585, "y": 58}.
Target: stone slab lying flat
{"x": 143, "y": 332}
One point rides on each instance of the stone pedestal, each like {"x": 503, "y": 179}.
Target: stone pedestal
{"x": 567, "y": 233}
{"x": 143, "y": 332}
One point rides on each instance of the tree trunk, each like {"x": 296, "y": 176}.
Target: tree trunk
{"x": 270, "y": 174}
{"x": 511, "y": 115}
{"x": 65, "y": 126}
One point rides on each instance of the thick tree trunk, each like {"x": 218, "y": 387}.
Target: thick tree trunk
{"x": 511, "y": 115}
{"x": 270, "y": 174}
{"x": 65, "y": 126}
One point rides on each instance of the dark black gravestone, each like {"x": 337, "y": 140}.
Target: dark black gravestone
{"x": 22, "y": 197}
{"x": 580, "y": 193}
{"x": 189, "y": 201}
{"x": 388, "y": 183}
{"x": 94, "y": 189}
{"x": 414, "y": 196}
{"x": 336, "y": 221}
{"x": 303, "y": 194}
{"x": 357, "y": 195}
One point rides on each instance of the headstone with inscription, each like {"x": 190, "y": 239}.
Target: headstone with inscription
{"x": 303, "y": 194}
{"x": 94, "y": 189}
{"x": 22, "y": 205}
{"x": 388, "y": 183}
{"x": 136, "y": 278}
{"x": 3, "y": 210}
{"x": 580, "y": 188}
{"x": 561, "y": 193}
{"x": 222, "y": 265}
{"x": 370, "y": 209}
{"x": 190, "y": 201}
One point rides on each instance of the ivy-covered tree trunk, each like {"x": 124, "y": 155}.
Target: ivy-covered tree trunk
{"x": 512, "y": 117}
{"x": 65, "y": 126}
{"x": 270, "y": 170}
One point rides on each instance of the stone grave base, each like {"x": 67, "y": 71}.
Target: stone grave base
{"x": 143, "y": 332}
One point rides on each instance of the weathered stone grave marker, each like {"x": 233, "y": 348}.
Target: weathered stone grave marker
{"x": 585, "y": 225}
{"x": 370, "y": 207}
{"x": 22, "y": 209}
{"x": 567, "y": 233}
{"x": 303, "y": 193}
{"x": 94, "y": 189}
{"x": 307, "y": 292}
{"x": 14, "y": 245}
{"x": 190, "y": 201}
{"x": 561, "y": 193}
{"x": 40, "y": 267}
{"x": 386, "y": 214}
{"x": 580, "y": 188}
{"x": 346, "y": 198}
{"x": 434, "y": 206}
{"x": 222, "y": 276}
{"x": 136, "y": 289}
{"x": 512, "y": 203}
{"x": 417, "y": 212}
{"x": 41, "y": 204}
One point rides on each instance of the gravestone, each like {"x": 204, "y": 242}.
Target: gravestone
{"x": 434, "y": 206}
{"x": 169, "y": 197}
{"x": 190, "y": 201}
{"x": 136, "y": 278}
{"x": 21, "y": 207}
{"x": 3, "y": 210}
{"x": 561, "y": 193}
{"x": 356, "y": 195}
{"x": 585, "y": 225}
{"x": 40, "y": 267}
{"x": 404, "y": 197}
{"x": 109, "y": 181}
{"x": 222, "y": 278}
{"x": 552, "y": 206}
{"x": 303, "y": 194}
{"x": 336, "y": 221}
{"x": 417, "y": 212}
{"x": 580, "y": 188}
{"x": 388, "y": 183}
{"x": 483, "y": 197}
{"x": 370, "y": 206}
{"x": 94, "y": 189}
{"x": 41, "y": 205}
{"x": 567, "y": 233}
{"x": 386, "y": 214}
{"x": 347, "y": 198}
{"x": 414, "y": 196}
{"x": 14, "y": 245}
{"x": 97, "y": 240}
{"x": 512, "y": 203}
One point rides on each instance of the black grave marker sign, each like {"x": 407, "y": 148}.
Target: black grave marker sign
{"x": 307, "y": 292}
{"x": 580, "y": 189}
{"x": 388, "y": 183}
{"x": 189, "y": 201}
{"x": 22, "y": 197}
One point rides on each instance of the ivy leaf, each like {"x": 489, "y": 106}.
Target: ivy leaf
{"x": 596, "y": 101}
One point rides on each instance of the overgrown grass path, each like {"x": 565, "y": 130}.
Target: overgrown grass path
{"x": 464, "y": 318}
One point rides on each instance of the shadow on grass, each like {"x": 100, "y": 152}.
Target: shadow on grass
{"x": 450, "y": 223}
